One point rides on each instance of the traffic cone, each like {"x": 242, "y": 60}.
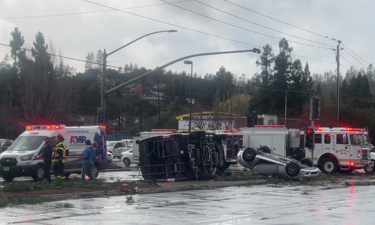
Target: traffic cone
{"x": 86, "y": 178}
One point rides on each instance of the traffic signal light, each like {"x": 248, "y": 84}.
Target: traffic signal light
{"x": 100, "y": 118}
{"x": 310, "y": 137}
{"x": 250, "y": 121}
{"x": 315, "y": 108}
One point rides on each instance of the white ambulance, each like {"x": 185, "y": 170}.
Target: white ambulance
{"x": 22, "y": 157}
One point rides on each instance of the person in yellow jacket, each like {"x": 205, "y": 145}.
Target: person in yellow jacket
{"x": 59, "y": 157}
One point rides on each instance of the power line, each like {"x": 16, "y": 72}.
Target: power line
{"x": 261, "y": 24}
{"x": 197, "y": 31}
{"x": 346, "y": 47}
{"x": 324, "y": 36}
{"x": 356, "y": 59}
{"x": 80, "y": 13}
{"x": 65, "y": 57}
{"x": 348, "y": 62}
{"x": 239, "y": 27}
{"x": 344, "y": 66}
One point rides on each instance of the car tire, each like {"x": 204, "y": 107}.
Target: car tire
{"x": 349, "y": 171}
{"x": 249, "y": 154}
{"x": 369, "y": 169}
{"x": 8, "y": 178}
{"x": 126, "y": 162}
{"x": 328, "y": 165}
{"x": 292, "y": 169}
{"x": 265, "y": 149}
{"x": 38, "y": 174}
{"x": 95, "y": 170}
{"x": 307, "y": 162}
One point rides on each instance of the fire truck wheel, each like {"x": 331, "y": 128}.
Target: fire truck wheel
{"x": 369, "y": 169}
{"x": 249, "y": 154}
{"x": 328, "y": 165}
{"x": 307, "y": 162}
{"x": 265, "y": 149}
{"x": 292, "y": 169}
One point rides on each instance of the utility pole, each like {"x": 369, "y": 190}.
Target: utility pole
{"x": 338, "y": 82}
{"x": 103, "y": 105}
{"x": 286, "y": 103}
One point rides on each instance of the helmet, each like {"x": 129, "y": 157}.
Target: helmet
{"x": 59, "y": 136}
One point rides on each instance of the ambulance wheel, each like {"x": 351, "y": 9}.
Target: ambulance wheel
{"x": 307, "y": 162}
{"x": 95, "y": 170}
{"x": 328, "y": 165}
{"x": 292, "y": 170}
{"x": 126, "y": 162}
{"x": 265, "y": 149}
{"x": 38, "y": 173}
{"x": 8, "y": 178}
{"x": 249, "y": 154}
{"x": 368, "y": 169}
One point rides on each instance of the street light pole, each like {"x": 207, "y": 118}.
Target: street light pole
{"x": 191, "y": 81}
{"x": 105, "y": 55}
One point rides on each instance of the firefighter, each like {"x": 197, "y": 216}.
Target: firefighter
{"x": 59, "y": 157}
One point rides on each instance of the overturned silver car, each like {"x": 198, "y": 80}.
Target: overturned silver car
{"x": 262, "y": 162}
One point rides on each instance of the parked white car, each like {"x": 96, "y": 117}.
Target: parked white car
{"x": 129, "y": 143}
{"x": 116, "y": 148}
{"x": 109, "y": 157}
{"x": 127, "y": 158}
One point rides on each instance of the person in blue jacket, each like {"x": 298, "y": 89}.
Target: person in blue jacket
{"x": 89, "y": 157}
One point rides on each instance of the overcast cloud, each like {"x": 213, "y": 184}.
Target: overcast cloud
{"x": 76, "y": 35}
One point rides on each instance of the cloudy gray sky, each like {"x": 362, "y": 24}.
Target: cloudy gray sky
{"x": 77, "y": 27}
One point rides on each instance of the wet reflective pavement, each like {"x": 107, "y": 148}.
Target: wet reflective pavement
{"x": 232, "y": 205}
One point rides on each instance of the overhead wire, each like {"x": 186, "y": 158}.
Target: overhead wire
{"x": 349, "y": 62}
{"x": 251, "y": 10}
{"x": 269, "y": 28}
{"x": 64, "y": 57}
{"x": 346, "y": 47}
{"x": 242, "y": 28}
{"x": 356, "y": 59}
{"x": 80, "y": 13}
{"x": 197, "y": 31}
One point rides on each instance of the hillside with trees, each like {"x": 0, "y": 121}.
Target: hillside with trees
{"x": 38, "y": 87}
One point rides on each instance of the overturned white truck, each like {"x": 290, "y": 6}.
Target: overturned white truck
{"x": 337, "y": 149}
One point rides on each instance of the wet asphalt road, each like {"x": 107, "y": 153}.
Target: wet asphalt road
{"x": 131, "y": 174}
{"x": 232, "y": 205}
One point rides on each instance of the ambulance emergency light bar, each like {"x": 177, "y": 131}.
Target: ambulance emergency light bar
{"x": 50, "y": 127}
{"x": 44, "y": 127}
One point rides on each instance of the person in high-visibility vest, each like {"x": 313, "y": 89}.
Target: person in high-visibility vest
{"x": 59, "y": 157}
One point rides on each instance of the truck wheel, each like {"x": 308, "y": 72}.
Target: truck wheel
{"x": 265, "y": 149}
{"x": 368, "y": 169}
{"x": 95, "y": 170}
{"x": 38, "y": 174}
{"x": 328, "y": 165}
{"x": 292, "y": 169}
{"x": 249, "y": 154}
{"x": 307, "y": 162}
{"x": 8, "y": 178}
